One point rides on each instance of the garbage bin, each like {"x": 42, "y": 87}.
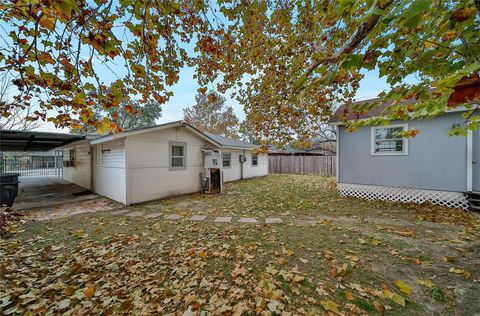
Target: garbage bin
{"x": 8, "y": 188}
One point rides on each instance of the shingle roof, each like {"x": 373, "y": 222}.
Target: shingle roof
{"x": 228, "y": 142}
{"x": 361, "y": 110}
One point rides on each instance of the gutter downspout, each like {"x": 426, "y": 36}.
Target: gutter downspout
{"x": 469, "y": 160}
{"x": 241, "y": 163}
{"x": 337, "y": 153}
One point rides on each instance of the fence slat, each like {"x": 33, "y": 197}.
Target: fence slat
{"x": 319, "y": 165}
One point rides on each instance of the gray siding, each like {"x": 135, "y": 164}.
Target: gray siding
{"x": 435, "y": 161}
{"x": 476, "y": 160}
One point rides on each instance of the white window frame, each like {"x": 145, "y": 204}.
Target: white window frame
{"x": 170, "y": 151}
{"x": 389, "y": 153}
{"x": 230, "y": 159}
{"x": 251, "y": 157}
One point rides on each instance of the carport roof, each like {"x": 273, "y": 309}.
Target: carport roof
{"x": 11, "y": 140}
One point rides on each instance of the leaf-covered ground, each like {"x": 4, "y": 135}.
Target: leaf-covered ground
{"x": 332, "y": 255}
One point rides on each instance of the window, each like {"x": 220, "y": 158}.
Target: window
{"x": 389, "y": 141}
{"x": 226, "y": 159}
{"x": 177, "y": 155}
{"x": 254, "y": 160}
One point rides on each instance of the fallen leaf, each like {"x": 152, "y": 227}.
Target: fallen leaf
{"x": 456, "y": 270}
{"x": 404, "y": 287}
{"x": 89, "y": 292}
{"x": 394, "y": 297}
{"x": 330, "y": 306}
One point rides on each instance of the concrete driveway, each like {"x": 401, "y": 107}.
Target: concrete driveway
{"x": 48, "y": 197}
{"x": 41, "y": 191}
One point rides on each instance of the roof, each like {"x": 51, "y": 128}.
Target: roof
{"x": 21, "y": 141}
{"x": 361, "y": 110}
{"x": 228, "y": 142}
{"x": 218, "y": 140}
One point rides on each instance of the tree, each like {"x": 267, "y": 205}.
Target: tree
{"x": 300, "y": 58}
{"x": 287, "y": 62}
{"x": 129, "y": 115}
{"x": 17, "y": 118}
{"x": 210, "y": 114}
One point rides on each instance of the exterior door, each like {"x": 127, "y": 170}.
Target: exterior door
{"x": 476, "y": 161}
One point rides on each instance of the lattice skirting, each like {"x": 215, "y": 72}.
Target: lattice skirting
{"x": 404, "y": 195}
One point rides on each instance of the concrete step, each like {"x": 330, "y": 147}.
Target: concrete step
{"x": 475, "y": 208}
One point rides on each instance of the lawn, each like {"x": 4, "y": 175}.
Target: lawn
{"x": 331, "y": 255}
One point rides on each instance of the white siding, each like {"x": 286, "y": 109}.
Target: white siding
{"x": 110, "y": 176}
{"x": 232, "y": 173}
{"x": 149, "y": 176}
{"x": 80, "y": 174}
{"x": 261, "y": 169}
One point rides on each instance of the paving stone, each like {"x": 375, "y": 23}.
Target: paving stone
{"x": 273, "y": 220}
{"x": 119, "y": 212}
{"x": 248, "y": 220}
{"x": 153, "y": 215}
{"x": 173, "y": 217}
{"x": 135, "y": 213}
{"x": 225, "y": 219}
{"x": 198, "y": 218}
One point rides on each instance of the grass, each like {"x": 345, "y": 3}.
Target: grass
{"x": 331, "y": 253}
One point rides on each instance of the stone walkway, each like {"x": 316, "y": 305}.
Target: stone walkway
{"x": 199, "y": 218}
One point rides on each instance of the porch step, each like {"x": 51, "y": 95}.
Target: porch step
{"x": 474, "y": 201}
{"x": 475, "y": 208}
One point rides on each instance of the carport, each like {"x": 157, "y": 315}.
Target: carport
{"x": 40, "y": 190}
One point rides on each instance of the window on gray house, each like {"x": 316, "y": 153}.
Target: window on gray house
{"x": 254, "y": 160}
{"x": 227, "y": 159}
{"x": 177, "y": 155}
{"x": 389, "y": 140}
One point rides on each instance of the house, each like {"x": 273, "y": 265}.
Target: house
{"x": 160, "y": 161}
{"x": 376, "y": 163}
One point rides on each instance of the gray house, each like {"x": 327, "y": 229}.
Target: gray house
{"x": 375, "y": 163}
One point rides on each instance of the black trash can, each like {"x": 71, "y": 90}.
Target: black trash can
{"x": 8, "y": 188}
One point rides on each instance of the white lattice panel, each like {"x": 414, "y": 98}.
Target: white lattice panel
{"x": 404, "y": 195}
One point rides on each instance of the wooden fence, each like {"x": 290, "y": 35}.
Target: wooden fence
{"x": 319, "y": 165}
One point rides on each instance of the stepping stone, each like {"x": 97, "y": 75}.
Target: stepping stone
{"x": 173, "y": 217}
{"x": 134, "y": 213}
{"x": 248, "y": 220}
{"x": 153, "y": 215}
{"x": 119, "y": 212}
{"x": 198, "y": 218}
{"x": 226, "y": 219}
{"x": 273, "y": 220}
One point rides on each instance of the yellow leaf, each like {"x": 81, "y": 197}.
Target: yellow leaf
{"x": 404, "y": 287}
{"x": 349, "y": 296}
{"x": 203, "y": 254}
{"x": 330, "y": 306}
{"x": 394, "y": 297}
{"x": 456, "y": 270}
{"x": 89, "y": 292}
{"x": 427, "y": 283}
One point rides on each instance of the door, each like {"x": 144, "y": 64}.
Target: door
{"x": 215, "y": 178}
{"x": 476, "y": 161}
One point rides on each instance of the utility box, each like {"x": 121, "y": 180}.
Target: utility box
{"x": 212, "y": 159}
{"x": 212, "y": 176}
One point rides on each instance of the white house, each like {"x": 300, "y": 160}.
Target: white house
{"x": 376, "y": 162}
{"x": 160, "y": 161}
